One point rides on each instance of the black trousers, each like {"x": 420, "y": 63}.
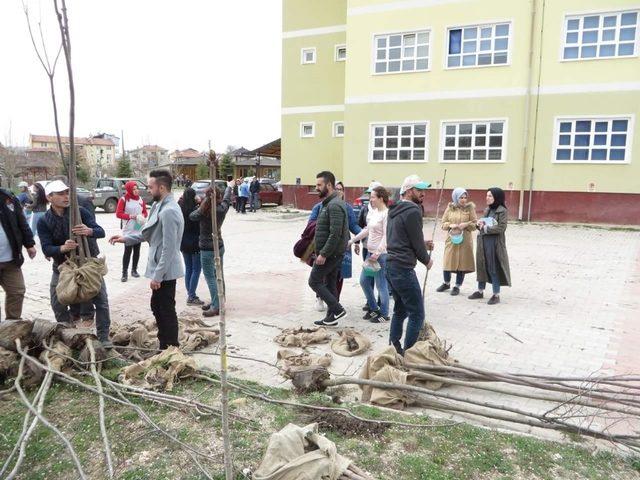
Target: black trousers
{"x": 243, "y": 204}
{"x": 163, "y": 306}
{"x": 324, "y": 281}
{"x": 135, "y": 249}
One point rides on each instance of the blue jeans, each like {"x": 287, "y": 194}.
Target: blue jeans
{"x": 381, "y": 284}
{"x": 495, "y": 283}
{"x": 192, "y": 271}
{"x": 407, "y": 296}
{"x": 207, "y": 259}
{"x": 459, "y": 277}
{"x": 35, "y": 216}
{"x": 254, "y": 201}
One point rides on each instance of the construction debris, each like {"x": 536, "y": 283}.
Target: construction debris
{"x": 350, "y": 343}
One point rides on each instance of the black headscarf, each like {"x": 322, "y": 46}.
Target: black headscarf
{"x": 498, "y": 198}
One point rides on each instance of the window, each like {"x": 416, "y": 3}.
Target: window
{"x": 402, "y": 52}
{"x": 399, "y": 142}
{"x": 308, "y": 55}
{"x": 307, "y": 129}
{"x": 341, "y": 53}
{"x": 601, "y": 36}
{"x": 477, "y": 141}
{"x": 478, "y": 45}
{"x": 593, "y": 140}
{"x": 338, "y": 129}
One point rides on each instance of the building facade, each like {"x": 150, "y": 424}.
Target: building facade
{"x": 184, "y": 162}
{"x": 537, "y": 97}
{"x": 99, "y": 153}
{"x": 148, "y": 157}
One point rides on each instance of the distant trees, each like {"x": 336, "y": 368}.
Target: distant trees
{"x": 202, "y": 171}
{"x": 123, "y": 168}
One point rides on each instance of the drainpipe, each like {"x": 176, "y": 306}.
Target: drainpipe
{"x": 527, "y": 111}
{"x": 535, "y": 118}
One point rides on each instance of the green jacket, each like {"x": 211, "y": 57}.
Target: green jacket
{"x": 332, "y": 227}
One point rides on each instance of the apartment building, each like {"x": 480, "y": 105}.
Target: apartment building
{"x": 99, "y": 153}
{"x": 538, "y": 97}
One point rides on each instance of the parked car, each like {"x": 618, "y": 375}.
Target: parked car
{"x": 85, "y": 197}
{"x": 269, "y": 191}
{"x": 200, "y": 186}
{"x": 109, "y": 190}
{"x": 363, "y": 199}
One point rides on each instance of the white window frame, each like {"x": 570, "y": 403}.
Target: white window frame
{"x": 374, "y": 50}
{"x": 307, "y": 124}
{"x": 334, "y": 128}
{"x": 505, "y": 140}
{"x": 601, "y": 13}
{"x": 303, "y": 59}
{"x": 399, "y": 123}
{"x": 337, "y": 48}
{"x": 492, "y": 23}
{"x": 594, "y": 118}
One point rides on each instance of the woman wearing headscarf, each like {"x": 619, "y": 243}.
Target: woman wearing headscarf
{"x": 132, "y": 211}
{"x": 459, "y": 221}
{"x": 189, "y": 246}
{"x": 492, "y": 261}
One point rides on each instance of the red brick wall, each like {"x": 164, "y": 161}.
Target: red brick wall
{"x": 576, "y": 207}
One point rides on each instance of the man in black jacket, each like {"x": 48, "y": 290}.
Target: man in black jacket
{"x": 254, "y": 190}
{"x": 405, "y": 246}
{"x": 14, "y": 234}
{"x": 331, "y": 238}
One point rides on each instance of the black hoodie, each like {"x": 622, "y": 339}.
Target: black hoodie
{"x": 15, "y": 225}
{"x": 405, "y": 241}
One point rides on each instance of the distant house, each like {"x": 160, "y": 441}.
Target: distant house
{"x": 29, "y": 164}
{"x": 99, "y": 153}
{"x": 184, "y": 162}
{"x": 264, "y": 161}
{"x": 148, "y": 157}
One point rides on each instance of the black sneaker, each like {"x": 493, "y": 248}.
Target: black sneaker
{"x": 493, "y": 300}
{"x": 328, "y": 321}
{"x": 443, "y": 288}
{"x": 206, "y": 306}
{"x": 455, "y": 291}
{"x": 379, "y": 318}
{"x": 476, "y": 295}
{"x": 124, "y": 278}
{"x": 341, "y": 313}
{"x": 135, "y": 274}
{"x": 366, "y": 308}
{"x": 371, "y": 314}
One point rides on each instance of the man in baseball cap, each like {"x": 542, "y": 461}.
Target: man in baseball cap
{"x": 405, "y": 247}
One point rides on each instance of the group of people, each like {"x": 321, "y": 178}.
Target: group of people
{"x": 392, "y": 244}
{"x": 245, "y": 192}
{"x": 183, "y": 180}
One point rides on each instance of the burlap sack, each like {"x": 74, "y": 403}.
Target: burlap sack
{"x": 301, "y": 453}
{"x": 160, "y": 371}
{"x": 375, "y": 363}
{"x": 8, "y": 364}
{"x": 80, "y": 283}
{"x": 10, "y": 330}
{"x": 56, "y": 358}
{"x": 290, "y": 358}
{"x": 301, "y": 337}
{"x": 350, "y": 343}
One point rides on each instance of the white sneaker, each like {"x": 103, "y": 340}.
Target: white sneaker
{"x": 320, "y": 306}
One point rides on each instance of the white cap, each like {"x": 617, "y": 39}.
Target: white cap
{"x": 23, "y": 184}
{"x": 373, "y": 185}
{"x": 56, "y": 186}
{"x": 413, "y": 181}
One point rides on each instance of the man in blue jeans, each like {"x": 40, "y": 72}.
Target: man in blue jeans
{"x": 405, "y": 246}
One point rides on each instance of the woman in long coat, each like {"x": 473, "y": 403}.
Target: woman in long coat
{"x": 492, "y": 261}
{"x": 459, "y": 220}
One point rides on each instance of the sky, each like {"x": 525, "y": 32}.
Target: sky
{"x": 174, "y": 73}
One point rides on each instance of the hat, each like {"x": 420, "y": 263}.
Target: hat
{"x": 56, "y": 186}
{"x": 413, "y": 181}
{"x": 373, "y": 185}
{"x": 23, "y": 185}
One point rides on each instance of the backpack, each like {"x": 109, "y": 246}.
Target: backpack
{"x": 304, "y": 248}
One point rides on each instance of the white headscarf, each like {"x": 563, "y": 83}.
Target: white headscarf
{"x": 457, "y": 193}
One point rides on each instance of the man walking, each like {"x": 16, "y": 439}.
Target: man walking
{"x": 53, "y": 229}
{"x": 254, "y": 190}
{"x": 243, "y": 195}
{"x": 163, "y": 231}
{"x": 405, "y": 246}
{"x": 14, "y": 234}
{"x": 332, "y": 235}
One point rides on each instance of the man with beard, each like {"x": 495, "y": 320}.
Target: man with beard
{"x": 405, "y": 246}
{"x": 163, "y": 231}
{"x": 331, "y": 237}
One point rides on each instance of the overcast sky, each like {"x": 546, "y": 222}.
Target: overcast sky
{"x": 167, "y": 72}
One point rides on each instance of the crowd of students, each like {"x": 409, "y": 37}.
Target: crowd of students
{"x": 393, "y": 242}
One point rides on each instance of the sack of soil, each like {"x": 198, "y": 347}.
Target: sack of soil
{"x": 80, "y": 283}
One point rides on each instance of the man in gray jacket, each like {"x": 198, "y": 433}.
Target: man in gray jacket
{"x": 163, "y": 231}
{"x": 331, "y": 238}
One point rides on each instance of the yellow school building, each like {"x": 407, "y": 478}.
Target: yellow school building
{"x": 538, "y": 97}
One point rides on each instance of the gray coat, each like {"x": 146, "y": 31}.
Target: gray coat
{"x": 500, "y": 214}
{"x": 163, "y": 231}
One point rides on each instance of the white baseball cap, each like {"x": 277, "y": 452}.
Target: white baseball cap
{"x": 56, "y": 186}
{"x": 23, "y": 184}
{"x": 413, "y": 181}
{"x": 373, "y": 185}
